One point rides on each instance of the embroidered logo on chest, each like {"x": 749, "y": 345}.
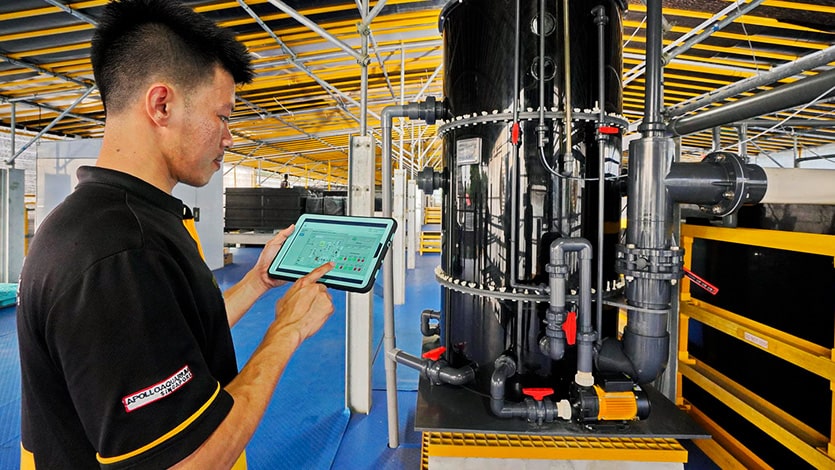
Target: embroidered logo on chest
{"x": 158, "y": 391}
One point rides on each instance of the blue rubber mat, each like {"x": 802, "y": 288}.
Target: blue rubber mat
{"x": 422, "y": 292}
{"x": 9, "y": 390}
{"x": 304, "y": 423}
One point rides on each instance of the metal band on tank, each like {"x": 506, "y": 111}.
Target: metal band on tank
{"x": 588, "y": 115}
{"x": 469, "y": 287}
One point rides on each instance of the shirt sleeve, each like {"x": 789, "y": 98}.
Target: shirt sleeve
{"x": 124, "y": 339}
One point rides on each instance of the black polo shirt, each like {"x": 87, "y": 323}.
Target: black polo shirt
{"x": 124, "y": 342}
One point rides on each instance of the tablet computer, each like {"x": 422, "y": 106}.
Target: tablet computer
{"x": 356, "y": 244}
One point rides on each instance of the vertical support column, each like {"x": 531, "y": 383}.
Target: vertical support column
{"x": 398, "y": 247}
{"x": 411, "y": 218}
{"x": 359, "y": 307}
{"x": 12, "y": 221}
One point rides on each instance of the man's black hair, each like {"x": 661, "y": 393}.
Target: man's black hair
{"x": 137, "y": 41}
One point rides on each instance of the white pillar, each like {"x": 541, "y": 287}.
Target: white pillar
{"x": 398, "y": 248}
{"x": 359, "y": 307}
{"x": 414, "y": 228}
{"x": 12, "y": 223}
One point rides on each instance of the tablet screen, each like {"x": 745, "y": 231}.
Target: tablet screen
{"x": 356, "y": 245}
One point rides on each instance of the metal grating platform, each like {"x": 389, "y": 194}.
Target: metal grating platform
{"x": 523, "y": 446}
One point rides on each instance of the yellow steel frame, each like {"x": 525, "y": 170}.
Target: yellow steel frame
{"x": 805, "y": 442}
{"x": 522, "y": 446}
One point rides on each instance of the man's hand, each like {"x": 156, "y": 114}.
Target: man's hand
{"x": 306, "y": 305}
{"x": 267, "y": 256}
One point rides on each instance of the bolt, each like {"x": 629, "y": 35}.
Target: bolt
{"x": 717, "y": 209}
{"x": 728, "y": 194}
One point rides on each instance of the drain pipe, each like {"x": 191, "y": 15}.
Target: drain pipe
{"x": 553, "y": 343}
{"x": 649, "y": 261}
{"x": 537, "y": 410}
{"x": 429, "y": 111}
{"x": 437, "y": 370}
{"x": 601, "y": 20}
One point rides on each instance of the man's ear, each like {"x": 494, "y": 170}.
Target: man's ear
{"x": 158, "y": 103}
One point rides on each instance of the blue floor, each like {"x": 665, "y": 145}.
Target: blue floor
{"x": 306, "y": 425}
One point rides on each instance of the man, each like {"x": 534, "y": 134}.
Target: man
{"x": 126, "y": 354}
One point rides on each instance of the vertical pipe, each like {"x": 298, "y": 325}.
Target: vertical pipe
{"x": 653, "y": 97}
{"x": 364, "y": 77}
{"x": 717, "y": 138}
{"x": 541, "y": 129}
{"x": 600, "y": 20}
{"x": 14, "y": 126}
{"x": 388, "y": 290}
{"x": 514, "y": 169}
{"x": 402, "y": 96}
{"x": 569, "y": 124}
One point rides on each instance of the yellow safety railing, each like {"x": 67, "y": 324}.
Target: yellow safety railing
{"x": 804, "y": 441}
{"x": 432, "y": 215}
{"x": 430, "y": 242}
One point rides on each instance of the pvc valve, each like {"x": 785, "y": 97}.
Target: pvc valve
{"x": 570, "y": 328}
{"x": 434, "y": 354}
{"x": 538, "y": 393}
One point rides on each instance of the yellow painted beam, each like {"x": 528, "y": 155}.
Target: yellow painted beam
{"x": 805, "y": 354}
{"x": 794, "y": 241}
{"x": 793, "y": 442}
{"x": 727, "y": 452}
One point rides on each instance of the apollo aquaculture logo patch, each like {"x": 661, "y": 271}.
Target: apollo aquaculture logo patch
{"x": 158, "y": 391}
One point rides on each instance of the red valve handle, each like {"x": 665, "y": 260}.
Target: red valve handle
{"x": 435, "y": 354}
{"x": 570, "y": 328}
{"x": 695, "y": 279}
{"x": 611, "y": 130}
{"x": 538, "y": 393}
{"x": 514, "y": 133}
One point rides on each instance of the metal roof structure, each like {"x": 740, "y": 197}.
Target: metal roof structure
{"x": 297, "y": 115}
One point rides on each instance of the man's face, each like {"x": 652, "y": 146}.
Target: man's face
{"x": 204, "y": 131}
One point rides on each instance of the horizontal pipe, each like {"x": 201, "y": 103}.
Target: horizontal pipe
{"x": 808, "y": 62}
{"x": 799, "y": 186}
{"x": 788, "y": 96}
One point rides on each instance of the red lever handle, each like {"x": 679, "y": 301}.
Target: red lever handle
{"x": 435, "y": 354}
{"x": 514, "y": 133}
{"x": 701, "y": 282}
{"x": 538, "y": 393}
{"x": 570, "y": 328}
{"x": 611, "y": 130}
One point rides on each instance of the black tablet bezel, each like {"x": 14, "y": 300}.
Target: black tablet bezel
{"x": 331, "y": 279}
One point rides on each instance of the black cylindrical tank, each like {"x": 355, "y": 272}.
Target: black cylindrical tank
{"x": 503, "y": 204}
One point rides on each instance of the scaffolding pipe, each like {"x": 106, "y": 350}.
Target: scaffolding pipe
{"x": 315, "y": 28}
{"x": 805, "y": 63}
{"x": 51, "y": 125}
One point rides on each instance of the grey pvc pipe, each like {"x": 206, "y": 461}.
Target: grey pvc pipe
{"x": 653, "y": 97}
{"x": 787, "y": 96}
{"x": 808, "y": 62}
{"x": 600, "y": 20}
{"x": 428, "y": 111}
{"x": 585, "y": 332}
{"x": 438, "y": 372}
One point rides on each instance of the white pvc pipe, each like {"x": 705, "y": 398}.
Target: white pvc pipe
{"x": 799, "y": 186}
